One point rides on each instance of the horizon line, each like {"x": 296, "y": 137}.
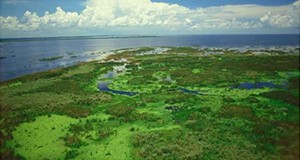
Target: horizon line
{"x": 143, "y": 35}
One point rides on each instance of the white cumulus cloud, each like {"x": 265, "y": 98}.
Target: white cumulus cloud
{"x": 287, "y": 18}
{"x": 101, "y": 14}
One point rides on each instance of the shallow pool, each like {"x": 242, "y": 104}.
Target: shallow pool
{"x": 256, "y": 85}
{"x": 103, "y": 87}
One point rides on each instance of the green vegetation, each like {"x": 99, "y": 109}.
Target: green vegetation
{"x": 186, "y": 108}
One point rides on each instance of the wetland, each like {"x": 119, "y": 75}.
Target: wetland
{"x": 149, "y": 103}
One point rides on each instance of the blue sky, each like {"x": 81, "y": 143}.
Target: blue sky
{"x": 19, "y": 7}
{"x": 207, "y": 3}
{"x": 23, "y": 18}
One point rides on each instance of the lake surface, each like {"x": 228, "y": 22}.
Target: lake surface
{"x": 23, "y": 56}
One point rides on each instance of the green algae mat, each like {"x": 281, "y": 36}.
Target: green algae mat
{"x": 178, "y": 104}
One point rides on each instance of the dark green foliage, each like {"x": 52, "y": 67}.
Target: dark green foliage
{"x": 178, "y": 98}
{"x": 75, "y": 111}
{"x": 196, "y": 125}
{"x": 71, "y": 154}
{"x": 267, "y": 135}
{"x": 9, "y": 155}
{"x": 183, "y": 114}
{"x": 93, "y": 99}
{"x": 103, "y": 128}
{"x": 294, "y": 83}
{"x": 143, "y": 49}
{"x": 229, "y": 111}
{"x": 59, "y": 87}
{"x": 186, "y": 113}
{"x": 104, "y": 133}
{"x": 228, "y": 99}
{"x": 252, "y": 99}
{"x": 187, "y": 50}
{"x": 148, "y": 99}
{"x": 129, "y": 54}
{"x": 72, "y": 141}
{"x": 33, "y": 77}
{"x": 148, "y": 117}
{"x": 282, "y": 95}
{"x": 120, "y": 110}
{"x": 260, "y": 63}
{"x": 107, "y": 154}
{"x": 173, "y": 144}
{"x": 76, "y": 128}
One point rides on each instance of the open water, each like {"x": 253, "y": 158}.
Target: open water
{"x": 23, "y": 56}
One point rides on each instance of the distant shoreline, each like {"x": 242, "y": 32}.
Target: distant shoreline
{"x": 24, "y": 56}
{"x": 24, "y": 39}
{"x": 67, "y": 38}
{"x": 100, "y": 56}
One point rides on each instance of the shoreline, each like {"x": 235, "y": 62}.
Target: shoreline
{"x": 100, "y": 55}
{"x": 22, "y": 39}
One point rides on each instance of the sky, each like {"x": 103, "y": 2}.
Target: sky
{"x": 44, "y": 18}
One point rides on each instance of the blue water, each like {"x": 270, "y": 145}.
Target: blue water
{"x": 21, "y": 56}
{"x": 172, "y": 108}
{"x": 257, "y": 85}
{"x": 188, "y": 91}
{"x": 103, "y": 87}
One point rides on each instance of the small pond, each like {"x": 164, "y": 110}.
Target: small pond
{"x": 256, "y": 85}
{"x": 103, "y": 87}
{"x": 188, "y": 91}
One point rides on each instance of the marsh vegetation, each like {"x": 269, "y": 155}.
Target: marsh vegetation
{"x": 186, "y": 108}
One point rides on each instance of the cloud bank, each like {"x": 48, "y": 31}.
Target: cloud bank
{"x": 101, "y": 15}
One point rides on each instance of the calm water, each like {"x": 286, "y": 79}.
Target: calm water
{"x": 21, "y": 56}
{"x": 257, "y": 85}
{"x": 103, "y": 87}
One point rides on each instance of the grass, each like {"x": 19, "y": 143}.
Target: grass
{"x": 62, "y": 109}
{"x": 35, "y": 140}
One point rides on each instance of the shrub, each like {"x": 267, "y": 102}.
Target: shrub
{"x": 104, "y": 133}
{"x": 229, "y": 111}
{"x": 71, "y": 154}
{"x": 282, "y": 95}
{"x": 119, "y": 110}
{"x": 72, "y": 141}
{"x": 174, "y": 144}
